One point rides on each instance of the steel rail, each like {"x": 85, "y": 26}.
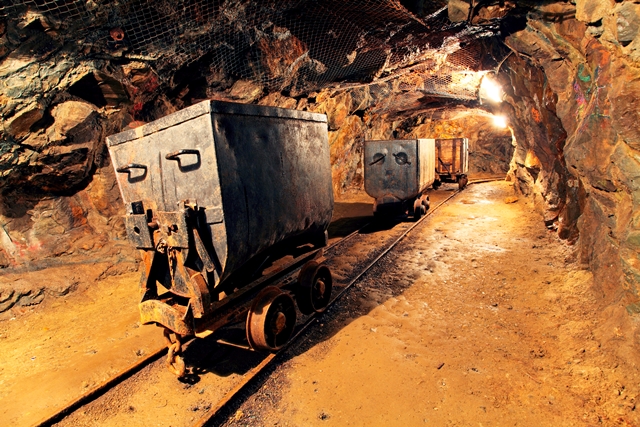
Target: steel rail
{"x": 217, "y": 409}
{"x": 103, "y": 388}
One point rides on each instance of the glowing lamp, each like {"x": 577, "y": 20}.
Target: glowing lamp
{"x": 500, "y": 121}
{"x": 490, "y": 90}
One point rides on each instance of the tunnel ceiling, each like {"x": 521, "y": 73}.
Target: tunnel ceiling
{"x": 294, "y": 46}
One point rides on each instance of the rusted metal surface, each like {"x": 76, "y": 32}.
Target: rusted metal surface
{"x": 210, "y": 191}
{"x": 452, "y": 160}
{"x": 314, "y": 288}
{"x": 175, "y": 362}
{"x": 397, "y": 172}
{"x": 271, "y": 319}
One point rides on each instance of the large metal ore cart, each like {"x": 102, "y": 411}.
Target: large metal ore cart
{"x": 213, "y": 193}
{"x": 397, "y": 174}
{"x": 452, "y": 161}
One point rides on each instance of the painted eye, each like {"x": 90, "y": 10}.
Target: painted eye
{"x": 402, "y": 159}
{"x": 377, "y": 158}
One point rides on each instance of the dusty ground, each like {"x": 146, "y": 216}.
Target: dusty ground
{"x": 479, "y": 319}
{"x": 77, "y": 326}
{"x": 52, "y": 353}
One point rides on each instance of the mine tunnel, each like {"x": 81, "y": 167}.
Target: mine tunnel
{"x": 319, "y": 212}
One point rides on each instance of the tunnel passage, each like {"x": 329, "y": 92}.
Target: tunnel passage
{"x": 544, "y": 92}
{"x": 567, "y": 131}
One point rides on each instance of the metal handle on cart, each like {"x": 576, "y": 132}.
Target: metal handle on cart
{"x": 127, "y": 168}
{"x": 377, "y": 158}
{"x": 176, "y": 154}
{"x": 402, "y": 158}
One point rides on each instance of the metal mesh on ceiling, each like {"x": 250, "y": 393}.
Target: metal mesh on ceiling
{"x": 293, "y": 45}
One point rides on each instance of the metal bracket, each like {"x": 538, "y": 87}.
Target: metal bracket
{"x": 154, "y": 311}
{"x": 138, "y": 231}
{"x": 173, "y": 225}
{"x": 214, "y": 215}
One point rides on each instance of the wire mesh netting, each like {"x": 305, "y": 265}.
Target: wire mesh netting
{"x": 288, "y": 45}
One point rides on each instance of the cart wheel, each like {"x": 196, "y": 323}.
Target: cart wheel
{"x": 462, "y": 182}
{"x": 436, "y": 184}
{"x": 418, "y": 209}
{"x": 314, "y": 288}
{"x": 271, "y": 319}
{"x": 426, "y": 203}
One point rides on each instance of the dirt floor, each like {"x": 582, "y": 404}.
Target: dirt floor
{"x": 52, "y": 353}
{"x": 479, "y": 318}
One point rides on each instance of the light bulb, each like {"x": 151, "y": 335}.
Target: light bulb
{"x": 500, "y": 121}
{"x": 490, "y": 90}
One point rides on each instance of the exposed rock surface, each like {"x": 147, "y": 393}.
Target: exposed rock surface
{"x": 573, "y": 92}
{"x": 571, "y": 82}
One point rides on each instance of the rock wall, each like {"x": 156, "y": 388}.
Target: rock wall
{"x": 60, "y": 99}
{"x": 59, "y": 192}
{"x": 578, "y": 67}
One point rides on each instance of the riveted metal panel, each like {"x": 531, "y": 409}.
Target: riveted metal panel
{"x": 138, "y": 232}
{"x": 276, "y": 178}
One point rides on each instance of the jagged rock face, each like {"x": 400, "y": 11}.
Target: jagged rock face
{"x": 584, "y": 73}
{"x": 538, "y": 166}
{"x": 37, "y": 228}
{"x": 58, "y": 193}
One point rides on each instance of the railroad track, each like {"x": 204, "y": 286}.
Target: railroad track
{"x": 213, "y": 413}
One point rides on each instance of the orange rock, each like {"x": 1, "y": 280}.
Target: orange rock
{"x": 511, "y": 199}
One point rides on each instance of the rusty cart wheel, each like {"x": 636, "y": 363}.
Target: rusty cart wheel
{"x": 418, "y": 209}
{"x": 270, "y": 320}
{"x": 314, "y": 288}
{"x": 462, "y": 182}
{"x": 426, "y": 203}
